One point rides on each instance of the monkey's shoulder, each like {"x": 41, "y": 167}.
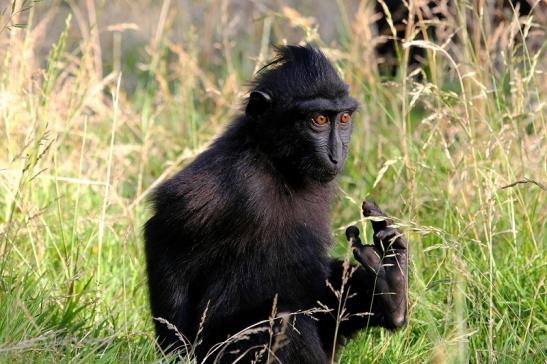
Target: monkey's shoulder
{"x": 215, "y": 181}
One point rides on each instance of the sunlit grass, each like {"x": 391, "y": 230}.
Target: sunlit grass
{"x": 79, "y": 155}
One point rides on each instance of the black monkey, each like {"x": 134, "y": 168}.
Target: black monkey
{"x": 247, "y": 224}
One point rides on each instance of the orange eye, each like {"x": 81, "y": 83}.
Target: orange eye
{"x": 320, "y": 119}
{"x": 345, "y": 117}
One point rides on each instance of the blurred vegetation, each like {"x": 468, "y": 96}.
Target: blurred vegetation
{"x": 101, "y": 101}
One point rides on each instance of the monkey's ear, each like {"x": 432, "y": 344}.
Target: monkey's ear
{"x": 259, "y": 103}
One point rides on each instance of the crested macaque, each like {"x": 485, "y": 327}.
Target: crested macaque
{"x": 237, "y": 247}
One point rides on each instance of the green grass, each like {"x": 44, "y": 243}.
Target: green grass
{"x": 79, "y": 155}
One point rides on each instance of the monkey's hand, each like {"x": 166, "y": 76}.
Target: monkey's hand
{"x": 386, "y": 262}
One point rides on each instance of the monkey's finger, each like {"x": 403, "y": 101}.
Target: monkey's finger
{"x": 368, "y": 256}
{"x": 379, "y": 218}
{"x": 390, "y": 238}
{"x": 352, "y": 232}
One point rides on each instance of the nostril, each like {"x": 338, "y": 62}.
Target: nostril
{"x": 334, "y": 160}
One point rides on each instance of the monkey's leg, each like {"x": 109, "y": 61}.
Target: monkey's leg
{"x": 287, "y": 338}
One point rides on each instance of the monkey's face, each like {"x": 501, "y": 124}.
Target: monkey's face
{"x": 323, "y": 129}
{"x": 308, "y": 139}
{"x": 328, "y": 137}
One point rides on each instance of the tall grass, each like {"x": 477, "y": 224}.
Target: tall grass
{"x": 455, "y": 150}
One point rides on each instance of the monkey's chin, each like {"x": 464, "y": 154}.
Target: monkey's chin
{"x": 327, "y": 177}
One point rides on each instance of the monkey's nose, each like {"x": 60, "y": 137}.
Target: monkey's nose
{"x": 333, "y": 159}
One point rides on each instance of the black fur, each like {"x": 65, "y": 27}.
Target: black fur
{"x": 248, "y": 221}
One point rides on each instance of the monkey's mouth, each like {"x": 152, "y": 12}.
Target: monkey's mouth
{"x": 334, "y": 169}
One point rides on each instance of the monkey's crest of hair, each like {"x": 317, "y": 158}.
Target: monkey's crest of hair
{"x": 304, "y": 70}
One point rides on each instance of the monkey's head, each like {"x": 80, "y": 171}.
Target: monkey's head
{"x": 303, "y": 114}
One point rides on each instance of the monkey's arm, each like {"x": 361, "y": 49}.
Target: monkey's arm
{"x": 373, "y": 294}
{"x": 169, "y": 293}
